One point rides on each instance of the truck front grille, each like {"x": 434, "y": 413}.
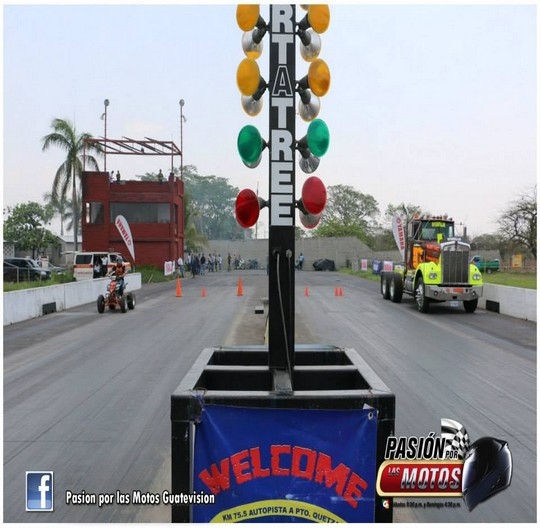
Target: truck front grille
{"x": 455, "y": 263}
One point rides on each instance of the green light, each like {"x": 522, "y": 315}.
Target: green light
{"x": 250, "y": 146}
{"x": 318, "y": 137}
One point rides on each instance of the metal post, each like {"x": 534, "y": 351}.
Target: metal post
{"x": 282, "y": 192}
{"x": 106, "y": 103}
{"x": 182, "y": 119}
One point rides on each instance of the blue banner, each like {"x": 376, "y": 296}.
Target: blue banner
{"x": 285, "y": 465}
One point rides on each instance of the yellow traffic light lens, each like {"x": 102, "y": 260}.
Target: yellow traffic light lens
{"x": 319, "y": 17}
{"x": 247, "y": 16}
{"x": 248, "y": 76}
{"x": 319, "y": 77}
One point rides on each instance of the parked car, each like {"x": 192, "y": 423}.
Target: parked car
{"x": 56, "y": 270}
{"x": 84, "y": 262}
{"x": 486, "y": 266}
{"x": 324, "y": 265}
{"x": 11, "y": 272}
{"x": 27, "y": 269}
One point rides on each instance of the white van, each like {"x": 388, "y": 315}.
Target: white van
{"x": 84, "y": 262}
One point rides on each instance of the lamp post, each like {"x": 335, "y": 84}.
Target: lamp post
{"x": 104, "y": 117}
{"x": 182, "y": 119}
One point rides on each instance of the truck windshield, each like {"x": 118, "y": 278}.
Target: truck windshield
{"x": 437, "y": 230}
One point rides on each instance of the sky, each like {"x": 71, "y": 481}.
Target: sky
{"x": 432, "y": 105}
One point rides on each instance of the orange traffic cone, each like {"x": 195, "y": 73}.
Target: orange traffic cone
{"x": 240, "y": 291}
{"x": 306, "y": 292}
{"x": 178, "y": 288}
{"x": 341, "y": 291}
{"x": 203, "y": 293}
{"x": 336, "y": 292}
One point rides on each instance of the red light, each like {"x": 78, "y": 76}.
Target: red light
{"x": 314, "y": 195}
{"x": 247, "y": 208}
{"x": 309, "y": 221}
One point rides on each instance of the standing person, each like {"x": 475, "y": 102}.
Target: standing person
{"x": 229, "y": 262}
{"x": 195, "y": 265}
{"x": 97, "y": 268}
{"x": 104, "y": 265}
{"x": 220, "y": 261}
{"x": 180, "y": 263}
{"x": 203, "y": 264}
{"x": 301, "y": 261}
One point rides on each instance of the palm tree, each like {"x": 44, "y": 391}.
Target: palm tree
{"x": 65, "y": 136}
{"x": 60, "y": 206}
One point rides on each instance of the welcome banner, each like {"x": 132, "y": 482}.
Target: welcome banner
{"x": 285, "y": 465}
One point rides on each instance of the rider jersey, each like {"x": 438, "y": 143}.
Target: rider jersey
{"x": 119, "y": 270}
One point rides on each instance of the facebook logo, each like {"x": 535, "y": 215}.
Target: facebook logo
{"x": 39, "y": 491}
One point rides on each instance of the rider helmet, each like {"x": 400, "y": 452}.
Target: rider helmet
{"x": 119, "y": 259}
{"x": 487, "y": 469}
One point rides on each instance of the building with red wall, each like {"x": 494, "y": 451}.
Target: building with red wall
{"x": 154, "y": 211}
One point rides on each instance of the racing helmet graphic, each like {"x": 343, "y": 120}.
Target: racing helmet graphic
{"x": 487, "y": 469}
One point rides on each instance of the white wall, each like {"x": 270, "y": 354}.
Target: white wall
{"x": 27, "y": 304}
{"x": 516, "y": 302}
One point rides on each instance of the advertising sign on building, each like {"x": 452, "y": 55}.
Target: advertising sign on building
{"x": 285, "y": 465}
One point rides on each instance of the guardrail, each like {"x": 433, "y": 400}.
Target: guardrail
{"x": 34, "y": 302}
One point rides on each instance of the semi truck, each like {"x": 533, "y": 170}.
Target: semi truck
{"x": 436, "y": 267}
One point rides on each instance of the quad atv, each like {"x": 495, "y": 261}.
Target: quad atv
{"x": 113, "y": 299}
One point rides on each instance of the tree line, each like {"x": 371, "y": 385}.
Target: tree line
{"x": 209, "y": 207}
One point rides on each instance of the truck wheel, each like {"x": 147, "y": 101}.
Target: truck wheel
{"x": 123, "y": 304}
{"x": 422, "y": 302}
{"x": 396, "y": 287}
{"x": 489, "y": 271}
{"x": 101, "y": 304}
{"x": 131, "y": 301}
{"x": 470, "y": 306}
{"x": 385, "y": 286}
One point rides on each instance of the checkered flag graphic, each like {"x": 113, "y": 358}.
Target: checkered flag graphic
{"x": 457, "y": 439}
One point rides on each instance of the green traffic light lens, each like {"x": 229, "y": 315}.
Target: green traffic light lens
{"x": 250, "y": 145}
{"x": 318, "y": 137}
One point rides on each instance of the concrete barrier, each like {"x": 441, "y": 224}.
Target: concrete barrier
{"x": 507, "y": 300}
{"x": 26, "y": 304}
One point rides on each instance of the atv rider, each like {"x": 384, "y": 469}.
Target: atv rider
{"x": 119, "y": 270}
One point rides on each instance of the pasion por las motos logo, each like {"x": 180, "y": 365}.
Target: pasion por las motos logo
{"x": 445, "y": 466}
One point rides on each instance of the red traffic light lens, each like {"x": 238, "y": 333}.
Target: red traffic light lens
{"x": 314, "y": 195}
{"x": 247, "y": 208}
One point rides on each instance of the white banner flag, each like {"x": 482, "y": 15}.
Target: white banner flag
{"x": 168, "y": 267}
{"x": 125, "y": 232}
{"x": 399, "y": 234}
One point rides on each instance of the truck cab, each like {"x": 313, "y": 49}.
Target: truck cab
{"x": 437, "y": 266}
